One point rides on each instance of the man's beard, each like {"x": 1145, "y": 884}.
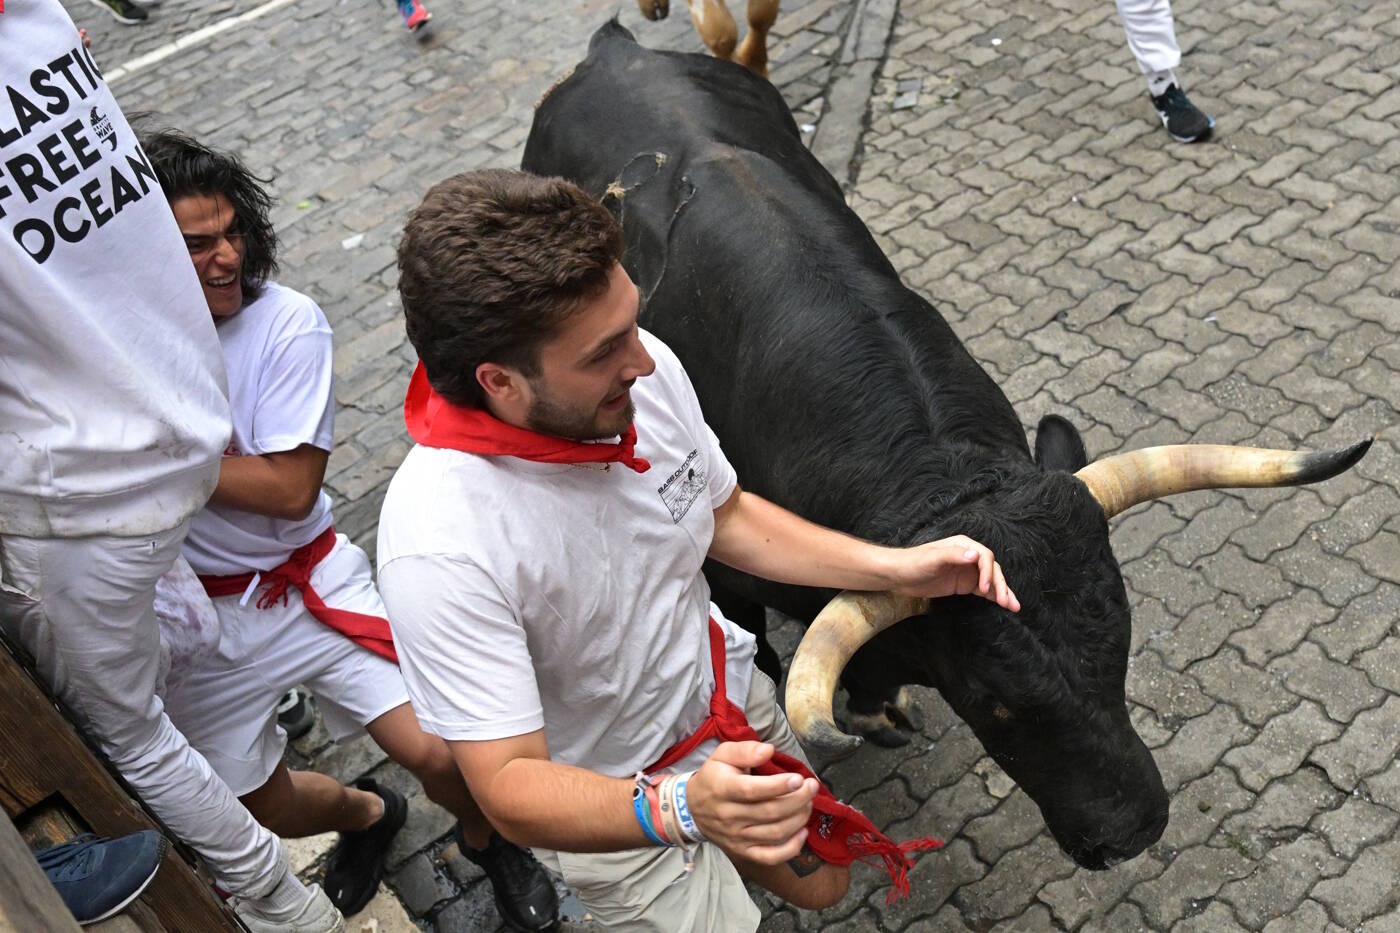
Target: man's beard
{"x": 547, "y": 416}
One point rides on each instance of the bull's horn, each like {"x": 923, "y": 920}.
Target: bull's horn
{"x": 1123, "y": 480}
{"x": 848, "y": 621}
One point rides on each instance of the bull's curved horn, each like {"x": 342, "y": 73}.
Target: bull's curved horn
{"x": 848, "y": 621}
{"x": 1123, "y": 480}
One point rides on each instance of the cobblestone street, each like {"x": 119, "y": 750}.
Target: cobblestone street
{"x": 1242, "y": 290}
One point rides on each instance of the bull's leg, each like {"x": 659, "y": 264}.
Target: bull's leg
{"x": 753, "y": 53}
{"x": 715, "y": 25}
{"x": 881, "y": 712}
{"x": 654, "y": 9}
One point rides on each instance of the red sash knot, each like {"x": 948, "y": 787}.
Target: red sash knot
{"x": 367, "y": 631}
{"x": 838, "y": 833}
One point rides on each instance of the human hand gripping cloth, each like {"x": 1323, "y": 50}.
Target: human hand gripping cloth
{"x": 838, "y": 833}
{"x": 433, "y": 421}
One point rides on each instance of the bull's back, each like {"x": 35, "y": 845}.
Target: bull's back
{"x": 770, "y": 289}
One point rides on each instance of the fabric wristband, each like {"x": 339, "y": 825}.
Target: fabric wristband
{"x": 689, "y": 831}
{"x": 643, "y": 794}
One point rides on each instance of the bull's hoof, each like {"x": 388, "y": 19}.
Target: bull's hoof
{"x": 878, "y": 728}
{"x": 904, "y": 713}
{"x": 654, "y": 9}
{"x": 888, "y": 738}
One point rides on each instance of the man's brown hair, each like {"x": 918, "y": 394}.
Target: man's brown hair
{"x": 490, "y": 264}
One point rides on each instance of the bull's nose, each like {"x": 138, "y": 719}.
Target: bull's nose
{"x": 1109, "y": 854}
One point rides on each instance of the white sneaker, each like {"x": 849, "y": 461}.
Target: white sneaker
{"x": 318, "y": 916}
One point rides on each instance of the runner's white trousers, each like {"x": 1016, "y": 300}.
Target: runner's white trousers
{"x": 84, "y": 608}
{"x": 1151, "y": 34}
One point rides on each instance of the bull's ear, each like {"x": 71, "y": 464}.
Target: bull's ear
{"x": 1058, "y": 445}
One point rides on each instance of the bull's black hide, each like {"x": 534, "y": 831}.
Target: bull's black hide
{"x": 845, "y": 397}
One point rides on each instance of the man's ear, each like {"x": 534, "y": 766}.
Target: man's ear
{"x": 502, "y": 384}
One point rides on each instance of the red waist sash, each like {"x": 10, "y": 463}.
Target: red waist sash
{"x": 838, "y": 833}
{"x": 368, "y": 631}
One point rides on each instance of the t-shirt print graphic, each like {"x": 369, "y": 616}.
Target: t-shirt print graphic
{"x": 684, "y": 486}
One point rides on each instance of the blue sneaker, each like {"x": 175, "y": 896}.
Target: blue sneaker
{"x": 98, "y": 877}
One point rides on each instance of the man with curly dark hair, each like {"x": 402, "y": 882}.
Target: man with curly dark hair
{"x": 296, "y": 602}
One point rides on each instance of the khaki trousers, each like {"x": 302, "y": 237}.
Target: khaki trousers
{"x": 649, "y": 890}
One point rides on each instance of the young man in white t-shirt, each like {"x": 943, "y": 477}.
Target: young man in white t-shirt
{"x": 541, "y": 556}
{"x": 113, "y": 414}
{"x": 296, "y": 602}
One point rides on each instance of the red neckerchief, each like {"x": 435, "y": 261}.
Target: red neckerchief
{"x": 433, "y": 421}
{"x": 838, "y": 833}
{"x": 367, "y": 631}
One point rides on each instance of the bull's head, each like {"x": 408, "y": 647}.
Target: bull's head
{"x": 1044, "y": 689}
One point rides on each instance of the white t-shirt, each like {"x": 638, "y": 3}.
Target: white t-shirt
{"x": 279, "y": 356}
{"x": 112, "y": 399}
{"x": 527, "y": 595}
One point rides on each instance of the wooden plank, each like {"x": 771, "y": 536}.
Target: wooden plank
{"x": 27, "y": 901}
{"x": 46, "y": 756}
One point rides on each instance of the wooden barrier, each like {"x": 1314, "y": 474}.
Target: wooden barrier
{"x": 53, "y": 784}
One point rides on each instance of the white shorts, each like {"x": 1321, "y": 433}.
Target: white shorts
{"x": 227, "y": 708}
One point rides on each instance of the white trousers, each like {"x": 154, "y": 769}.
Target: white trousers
{"x": 1151, "y": 34}
{"x": 85, "y": 609}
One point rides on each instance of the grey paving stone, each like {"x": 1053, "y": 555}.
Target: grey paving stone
{"x": 1284, "y": 876}
{"x": 1369, "y": 743}
{"x": 1367, "y": 889}
{"x": 1282, "y": 745}
{"x": 934, "y": 879}
{"x": 419, "y": 885}
{"x": 1355, "y": 825}
{"x": 1216, "y": 916}
{"x": 1191, "y": 879}
{"x": 1199, "y": 745}
{"x": 1257, "y": 695}
{"x": 1010, "y": 887}
{"x": 1341, "y": 690}
{"x": 1382, "y": 663}
{"x": 427, "y": 823}
{"x": 1308, "y": 917}
{"x": 1087, "y": 896}
{"x": 1282, "y": 626}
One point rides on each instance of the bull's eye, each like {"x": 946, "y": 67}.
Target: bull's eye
{"x": 1001, "y": 712}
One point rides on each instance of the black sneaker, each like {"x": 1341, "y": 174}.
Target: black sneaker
{"x": 357, "y": 862}
{"x": 295, "y": 713}
{"x": 123, "y": 11}
{"x": 98, "y": 877}
{"x": 524, "y": 894}
{"x": 1183, "y": 119}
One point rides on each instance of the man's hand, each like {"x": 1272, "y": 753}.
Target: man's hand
{"x": 956, "y": 566}
{"x": 759, "y": 818}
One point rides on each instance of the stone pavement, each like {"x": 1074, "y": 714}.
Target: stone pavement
{"x": 1244, "y": 290}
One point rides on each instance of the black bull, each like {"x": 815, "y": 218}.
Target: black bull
{"x": 845, "y": 397}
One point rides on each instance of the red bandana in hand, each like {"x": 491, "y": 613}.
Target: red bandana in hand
{"x": 838, "y": 833}
{"x": 433, "y": 421}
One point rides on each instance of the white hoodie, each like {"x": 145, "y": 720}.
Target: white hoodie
{"x": 113, "y": 401}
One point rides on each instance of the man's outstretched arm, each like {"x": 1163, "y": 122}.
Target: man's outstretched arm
{"x": 766, "y": 540}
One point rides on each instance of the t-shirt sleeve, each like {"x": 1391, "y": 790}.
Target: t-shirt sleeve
{"x": 296, "y": 394}
{"x": 462, "y": 650}
{"x": 723, "y": 478}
